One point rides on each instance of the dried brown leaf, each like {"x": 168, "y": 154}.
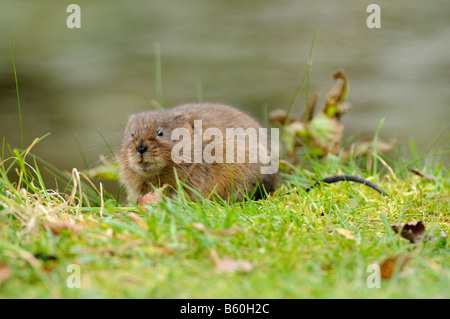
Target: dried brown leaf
{"x": 333, "y": 104}
{"x": 412, "y": 231}
{"x": 151, "y": 197}
{"x": 389, "y": 265}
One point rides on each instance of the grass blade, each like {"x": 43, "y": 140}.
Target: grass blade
{"x": 18, "y": 98}
{"x": 375, "y": 154}
{"x": 158, "y": 74}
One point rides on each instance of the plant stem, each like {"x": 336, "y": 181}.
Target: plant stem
{"x": 18, "y": 99}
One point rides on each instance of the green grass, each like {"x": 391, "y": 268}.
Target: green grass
{"x": 290, "y": 240}
{"x": 170, "y": 249}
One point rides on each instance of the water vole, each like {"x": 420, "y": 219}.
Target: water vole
{"x": 152, "y": 153}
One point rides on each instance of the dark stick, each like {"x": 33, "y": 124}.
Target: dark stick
{"x": 351, "y": 178}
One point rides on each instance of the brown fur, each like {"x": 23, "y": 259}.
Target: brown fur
{"x": 203, "y": 177}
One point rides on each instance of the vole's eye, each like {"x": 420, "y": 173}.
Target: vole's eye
{"x": 159, "y": 133}
{"x": 133, "y": 133}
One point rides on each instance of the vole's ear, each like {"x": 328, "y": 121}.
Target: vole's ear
{"x": 131, "y": 120}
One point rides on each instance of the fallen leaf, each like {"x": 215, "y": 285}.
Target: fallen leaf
{"x": 412, "y": 231}
{"x": 151, "y": 197}
{"x": 334, "y": 103}
{"x": 346, "y": 233}
{"x": 388, "y": 266}
{"x": 5, "y": 272}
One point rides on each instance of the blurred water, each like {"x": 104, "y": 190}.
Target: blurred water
{"x": 247, "y": 53}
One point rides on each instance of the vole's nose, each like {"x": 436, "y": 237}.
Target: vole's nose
{"x": 141, "y": 149}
